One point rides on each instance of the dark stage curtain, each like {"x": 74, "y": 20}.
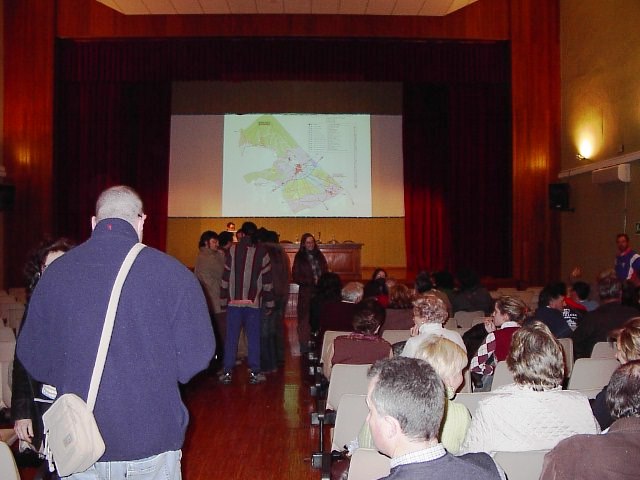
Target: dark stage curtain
{"x": 112, "y": 133}
{"x": 457, "y": 178}
{"x": 113, "y": 107}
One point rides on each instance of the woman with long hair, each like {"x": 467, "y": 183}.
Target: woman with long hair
{"x": 25, "y": 410}
{"x": 308, "y": 266}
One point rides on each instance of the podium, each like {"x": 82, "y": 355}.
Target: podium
{"x": 343, "y": 258}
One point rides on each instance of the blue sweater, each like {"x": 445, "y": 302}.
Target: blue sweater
{"x": 162, "y": 335}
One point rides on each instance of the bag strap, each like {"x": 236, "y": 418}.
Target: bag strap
{"x": 107, "y": 328}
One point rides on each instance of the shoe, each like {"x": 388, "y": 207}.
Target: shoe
{"x": 225, "y": 378}
{"x": 255, "y": 378}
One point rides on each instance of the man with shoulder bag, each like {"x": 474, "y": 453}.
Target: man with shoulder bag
{"x": 161, "y": 336}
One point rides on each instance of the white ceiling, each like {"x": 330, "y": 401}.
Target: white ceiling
{"x": 341, "y": 7}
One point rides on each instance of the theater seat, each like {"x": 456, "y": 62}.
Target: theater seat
{"x": 8, "y": 468}
{"x": 368, "y": 464}
{"x": 522, "y": 465}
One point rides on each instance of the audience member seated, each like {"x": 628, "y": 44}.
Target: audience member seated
{"x": 377, "y": 287}
{"x": 534, "y": 413}
{"x": 406, "y": 402}
{"x": 364, "y": 345}
{"x": 400, "y": 309}
{"x": 610, "y": 315}
{"x": 549, "y": 311}
{"x": 445, "y": 283}
{"x": 328, "y": 290}
{"x": 429, "y": 314}
{"x": 448, "y": 360}
{"x": 338, "y": 315}
{"x": 424, "y": 285}
{"x": 580, "y": 292}
{"x": 472, "y": 297}
{"x": 508, "y": 315}
{"x": 628, "y": 349}
{"x": 613, "y": 455}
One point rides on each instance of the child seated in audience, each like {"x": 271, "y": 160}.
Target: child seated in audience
{"x": 534, "y": 413}
{"x": 508, "y": 315}
{"x": 364, "y": 345}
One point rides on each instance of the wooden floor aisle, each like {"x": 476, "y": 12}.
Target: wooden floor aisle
{"x": 242, "y": 431}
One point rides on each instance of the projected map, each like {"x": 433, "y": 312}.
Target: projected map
{"x": 297, "y": 165}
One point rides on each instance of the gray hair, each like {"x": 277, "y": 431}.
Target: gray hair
{"x": 430, "y": 308}
{"x": 352, "y": 292}
{"x": 119, "y": 202}
{"x": 409, "y": 390}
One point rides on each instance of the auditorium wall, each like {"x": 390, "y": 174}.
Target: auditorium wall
{"x": 383, "y": 238}
{"x": 600, "y": 98}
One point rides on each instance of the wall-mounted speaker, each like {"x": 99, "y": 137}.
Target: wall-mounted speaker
{"x": 559, "y": 196}
{"x": 7, "y": 196}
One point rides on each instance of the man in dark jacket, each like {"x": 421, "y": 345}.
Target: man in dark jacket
{"x": 162, "y": 336}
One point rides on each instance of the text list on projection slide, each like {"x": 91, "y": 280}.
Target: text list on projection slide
{"x": 288, "y": 165}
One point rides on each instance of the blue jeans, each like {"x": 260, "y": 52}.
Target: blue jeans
{"x": 250, "y": 318}
{"x": 165, "y": 466}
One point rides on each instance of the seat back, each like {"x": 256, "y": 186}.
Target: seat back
{"x": 522, "y": 465}
{"x": 471, "y": 400}
{"x": 567, "y": 352}
{"x": 368, "y": 464}
{"x": 8, "y": 468}
{"x": 603, "y": 350}
{"x": 501, "y": 376}
{"x": 592, "y": 373}
{"x": 12, "y": 313}
{"x": 466, "y": 381}
{"x": 346, "y": 379}
{"x": 351, "y": 415}
{"x": 465, "y": 319}
{"x": 395, "y": 336}
{"x": 329, "y": 337}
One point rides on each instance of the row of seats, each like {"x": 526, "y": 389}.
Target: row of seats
{"x": 369, "y": 464}
{"x": 12, "y": 306}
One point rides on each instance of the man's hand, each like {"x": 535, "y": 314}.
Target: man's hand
{"x": 24, "y": 429}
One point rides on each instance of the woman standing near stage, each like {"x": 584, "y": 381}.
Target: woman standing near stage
{"x": 308, "y": 265}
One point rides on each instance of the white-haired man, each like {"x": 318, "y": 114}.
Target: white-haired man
{"x": 162, "y": 336}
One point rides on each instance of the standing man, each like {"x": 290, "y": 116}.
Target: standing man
{"x": 246, "y": 290}
{"x": 162, "y": 336}
{"x": 627, "y": 260}
{"x": 209, "y": 268}
{"x": 406, "y": 400}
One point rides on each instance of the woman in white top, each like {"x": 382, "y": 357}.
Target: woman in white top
{"x": 429, "y": 314}
{"x": 534, "y": 413}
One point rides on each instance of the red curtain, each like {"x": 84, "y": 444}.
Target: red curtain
{"x": 112, "y": 133}
{"x": 457, "y": 178}
{"x": 113, "y": 107}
